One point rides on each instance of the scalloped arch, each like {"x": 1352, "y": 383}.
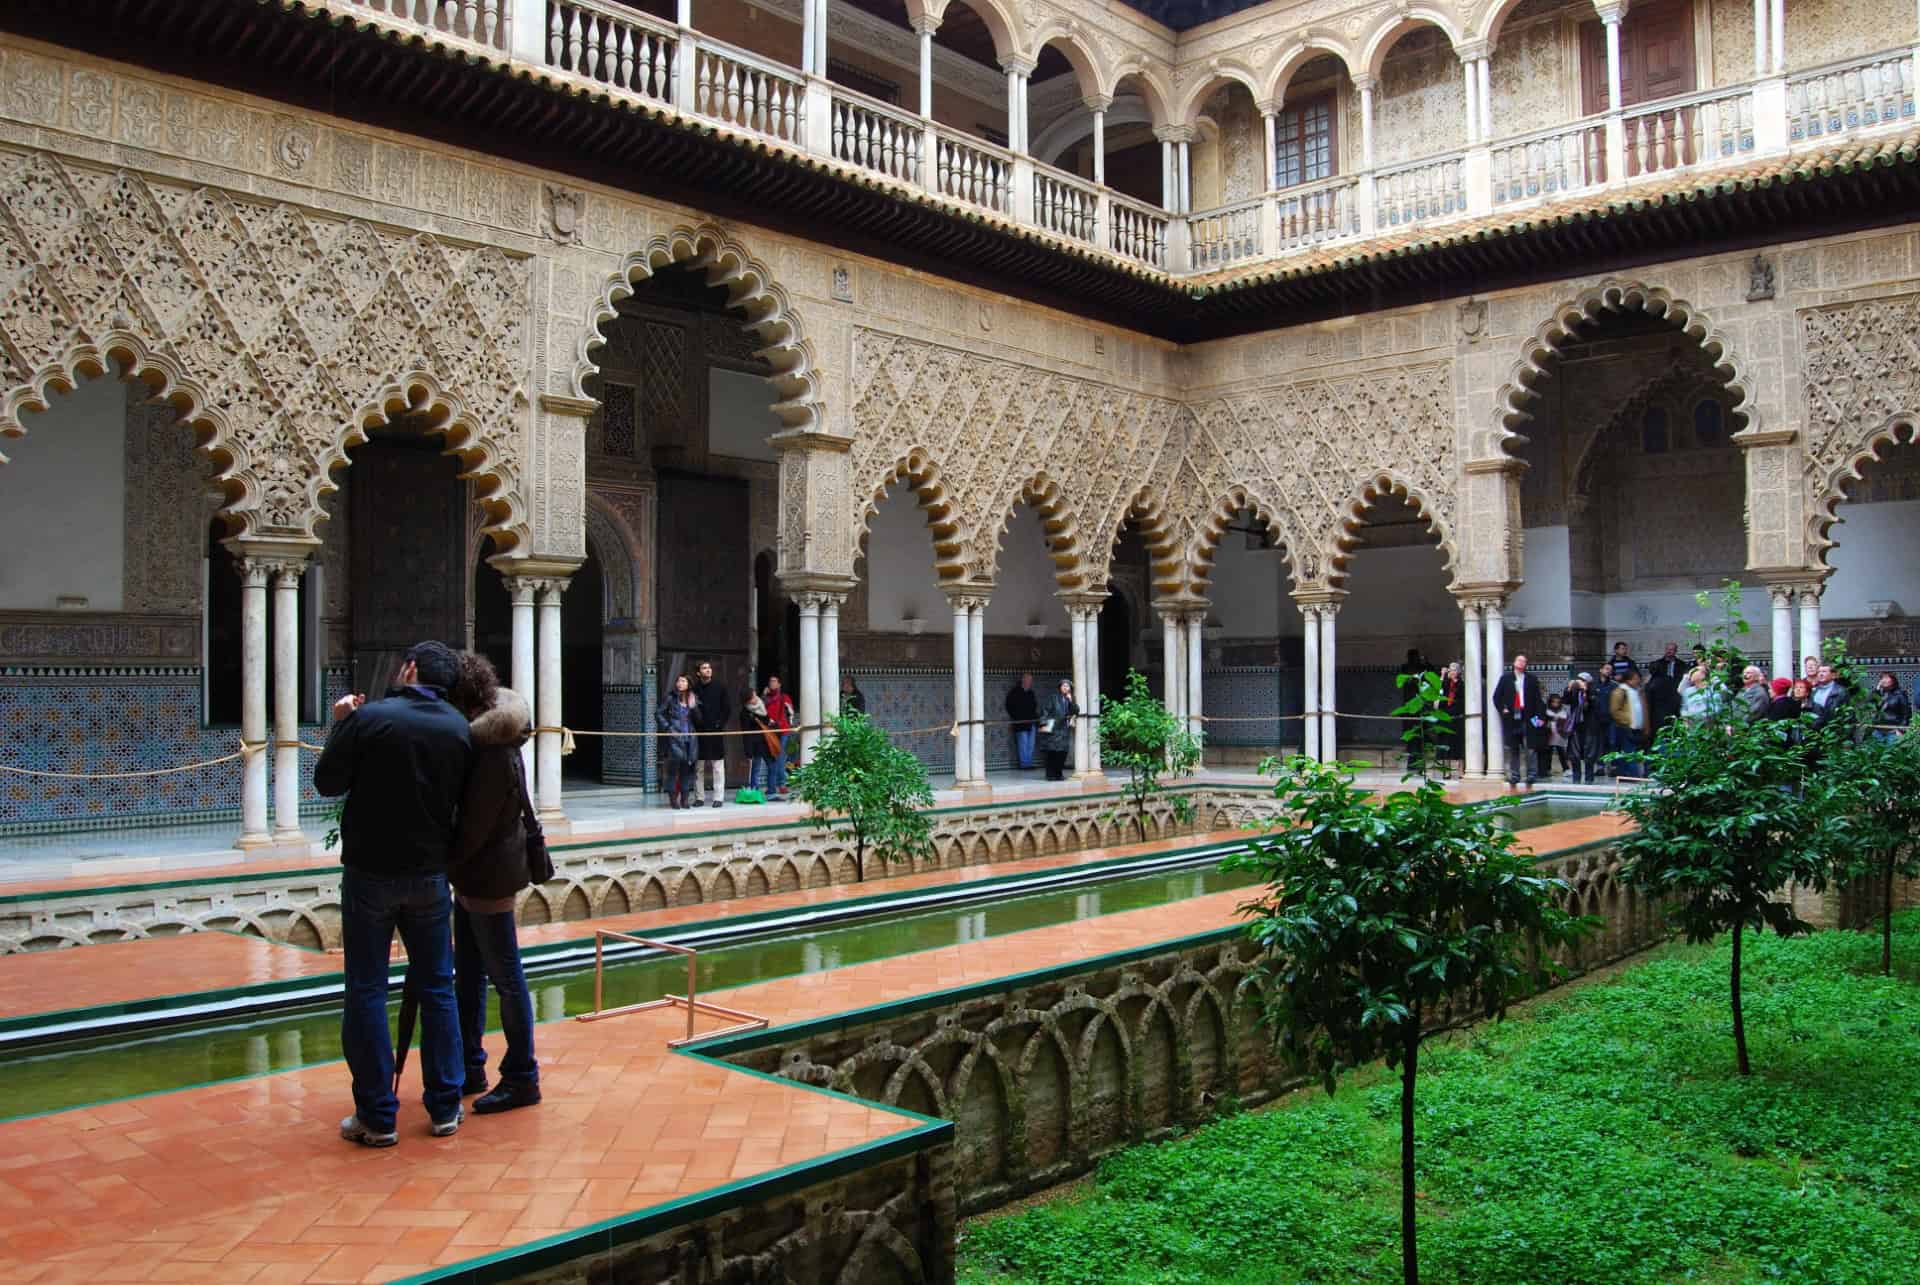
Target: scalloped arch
{"x": 1159, "y": 531}
{"x": 1347, "y": 537}
{"x": 1212, "y": 524}
{"x": 951, "y": 545}
{"x": 751, "y": 290}
{"x": 1058, "y": 522}
{"x": 1546, "y": 343}
{"x": 1901, "y": 430}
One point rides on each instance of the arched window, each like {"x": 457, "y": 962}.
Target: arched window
{"x": 1709, "y": 423}
{"x": 1653, "y": 431}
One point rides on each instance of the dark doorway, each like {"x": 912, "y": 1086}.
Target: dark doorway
{"x": 224, "y": 658}
{"x": 493, "y": 615}
{"x": 408, "y": 514}
{"x": 1116, "y": 644}
{"x": 704, "y": 586}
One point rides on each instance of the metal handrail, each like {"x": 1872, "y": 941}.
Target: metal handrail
{"x": 690, "y": 1001}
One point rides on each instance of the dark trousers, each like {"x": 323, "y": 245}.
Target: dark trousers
{"x": 372, "y": 909}
{"x": 1056, "y": 765}
{"x": 486, "y": 948}
{"x": 679, "y": 777}
{"x": 1583, "y": 747}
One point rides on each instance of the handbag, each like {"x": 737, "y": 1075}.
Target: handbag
{"x": 539, "y": 860}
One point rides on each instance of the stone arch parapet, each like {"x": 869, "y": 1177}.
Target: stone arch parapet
{"x": 279, "y": 334}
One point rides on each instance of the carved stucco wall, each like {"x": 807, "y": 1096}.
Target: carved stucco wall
{"x": 1420, "y": 105}
{"x": 1816, "y": 33}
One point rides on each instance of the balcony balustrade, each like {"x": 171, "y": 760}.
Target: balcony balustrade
{"x": 626, "y": 54}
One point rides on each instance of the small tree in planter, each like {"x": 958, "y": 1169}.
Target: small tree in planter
{"x": 868, "y": 791}
{"x": 1735, "y": 817}
{"x": 1388, "y": 920}
{"x": 1877, "y": 781}
{"x": 1137, "y": 733}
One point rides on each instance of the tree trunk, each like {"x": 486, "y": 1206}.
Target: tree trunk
{"x": 1409, "y": 1066}
{"x": 1886, "y": 918}
{"x": 1739, "y": 1021}
{"x": 859, "y": 859}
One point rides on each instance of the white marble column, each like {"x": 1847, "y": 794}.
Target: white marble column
{"x": 810, "y": 706}
{"x": 1473, "y": 706}
{"x": 1496, "y": 666}
{"x": 1267, "y": 113}
{"x": 1173, "y": 658}
{"x": 253, "y": 702}
{"x": 286, "y": 700}
{"x": 1610, "y": 19}
{"x": 1169, "y": 190}
{"x": 809, "y": 18}
{"x": 925, "y": 25}
{"x": 1782, "y": 600}
{"x": 820, "y": 36}
{"x": 977, "y": 687}
{"x": 1473, "y": 100}
{"x": 1013, "y": 110}
{"x": 1099, "y": 140}
{"x": 1196, "y": 626}
{"x": 829, "y": 667}
{"x": 1183, "y": 172}
{"x": 1329, "y": 669}
{"x": 1077, "y": 629}
{"x": 1777, "y": 30}
{"x": 1809, "y": 625}
{"x": 1090, "y": 698}
{"x": 1762, "y": 47}
{"x": 1310, "y": 684}
{"x": 963, "y": 769}
{"x": 549, "y": 713}
{"x": 526, "y": 678}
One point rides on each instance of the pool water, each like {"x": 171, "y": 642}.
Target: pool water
{"x": 1551, "y": 810}
{"x": 101, "y": 1070}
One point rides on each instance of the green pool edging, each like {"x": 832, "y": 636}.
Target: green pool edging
{"x": 396, "y": 973}
{"x": 516, "y": 1261}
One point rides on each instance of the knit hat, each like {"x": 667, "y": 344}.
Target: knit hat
{"x": 1585, "y": 677}
{"x": 1781, "y": 686}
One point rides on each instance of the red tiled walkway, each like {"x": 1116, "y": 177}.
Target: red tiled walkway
{"x": 246, "y": 1182}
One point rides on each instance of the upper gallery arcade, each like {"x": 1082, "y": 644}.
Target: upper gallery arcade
{"x": 924, "y": 345}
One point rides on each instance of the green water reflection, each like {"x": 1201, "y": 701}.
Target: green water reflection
{"x": 1549, "y": 811}
{"x": 100, "y": 1070}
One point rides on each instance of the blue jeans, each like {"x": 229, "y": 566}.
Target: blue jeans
{"x": 371, "y": 909}
{"x": 1023, "y": 747}
{"x": 486, "y": 948}
{"x": 769, "y": 774}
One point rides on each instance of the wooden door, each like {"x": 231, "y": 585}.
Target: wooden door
{"x": 1656, "y": 62}
{"x": 1656, "y": 56}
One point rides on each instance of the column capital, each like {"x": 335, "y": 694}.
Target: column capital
{"x": 1269, "y": 106}
{"x": 1472, "y": 51}
{"x": 1020, "y": 65}
{"x": 818, "y": 600}
{"x": 1363, "y": 83}
{"x": 971, "y": 596}
{"x": 816, "y": 583}
{"x": 1096, "y": 102}
{"x": 923, "y": 23}
{"x": 1328, "y": 600}
{"x": 1082, "y": 599}
{"x": 1174, "y": 133}
{"x": 1481, "y": 600}
{"x": 1611, "y": 12}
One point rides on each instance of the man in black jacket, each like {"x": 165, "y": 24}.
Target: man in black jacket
{"x": 1522, "y": 713}
{"x": 714, "y": 713}
{"x": 1023, "y": 711}
{"x": 402, "y": 763}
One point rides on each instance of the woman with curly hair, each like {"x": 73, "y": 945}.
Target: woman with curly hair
{"x": 488, "y": 869}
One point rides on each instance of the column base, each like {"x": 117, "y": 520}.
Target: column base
{"x": 295, "y": 835}
{"x": 554, "y": 822}
{"x": 1093, "y": 782}
{"x": 257, "y": 839}
{"x": 973, "y": 791}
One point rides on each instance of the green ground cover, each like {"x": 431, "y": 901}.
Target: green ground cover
{"x": 1598, "y": 1135}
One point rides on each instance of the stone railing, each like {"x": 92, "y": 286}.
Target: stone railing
{"x": 1046, "y": 1073}
{"x": 626, "y": 54}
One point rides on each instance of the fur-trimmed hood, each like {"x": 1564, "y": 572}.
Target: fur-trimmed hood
{"x": 508, "y": 722}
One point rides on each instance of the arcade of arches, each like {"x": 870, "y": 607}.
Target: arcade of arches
{"x": 605, "y": 446}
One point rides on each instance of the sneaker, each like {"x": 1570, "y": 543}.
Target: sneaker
{"x": 716, "y": 803}
{"x": 447, "y": 1128}
{"x": 353, "y": 1131}
{"x": 476, "y": 1083}
{"x": 506, "y": 1096}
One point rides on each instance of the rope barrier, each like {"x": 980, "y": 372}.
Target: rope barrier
{"x": 246, "y": 748}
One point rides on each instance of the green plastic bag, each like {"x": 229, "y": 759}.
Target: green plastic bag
{"x": 750, "y": 795}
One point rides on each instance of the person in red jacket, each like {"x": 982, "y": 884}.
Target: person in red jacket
{"x": 780, "y": 721}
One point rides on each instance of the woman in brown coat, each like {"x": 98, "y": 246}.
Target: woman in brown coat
{"x": 488, "y": 869}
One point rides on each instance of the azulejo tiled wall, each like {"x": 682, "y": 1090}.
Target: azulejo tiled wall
{"x": 629, "y": 707}
{"x": 123, "y": 719}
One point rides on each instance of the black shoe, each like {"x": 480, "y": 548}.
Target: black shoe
{"x": 506, "y": 1096}
{"x": 476, "y": 1083}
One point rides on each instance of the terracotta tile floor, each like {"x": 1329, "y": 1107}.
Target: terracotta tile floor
{"x": 122, "y": 972}
{"x": 245, "y": 1181}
